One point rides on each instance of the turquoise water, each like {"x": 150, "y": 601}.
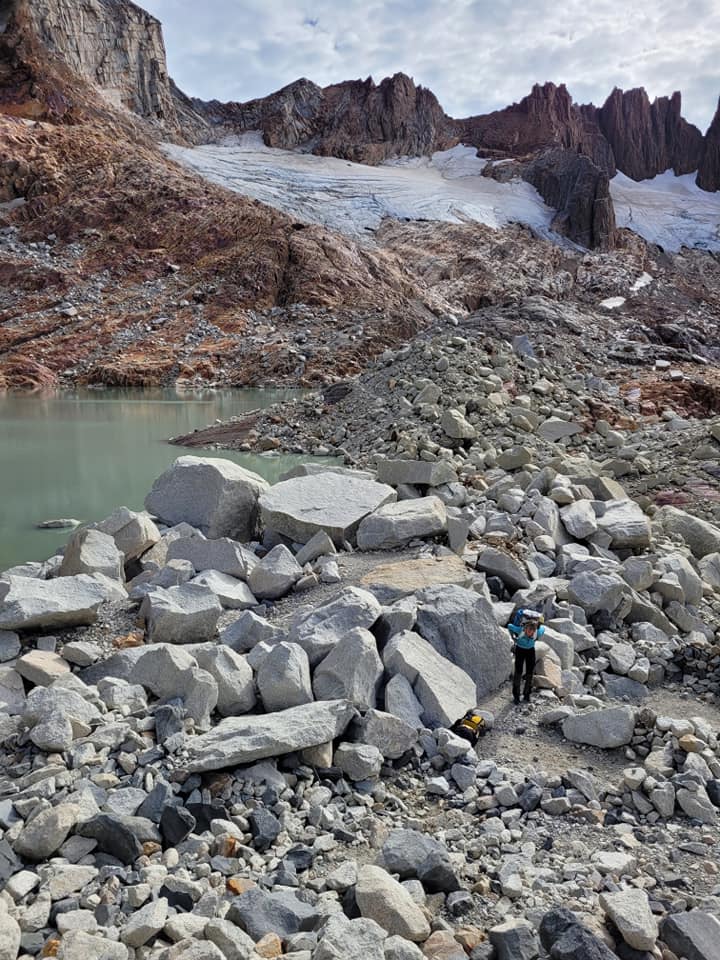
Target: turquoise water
{"x": 81, "y": 454}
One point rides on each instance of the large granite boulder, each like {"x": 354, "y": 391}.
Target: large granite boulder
{"x": 185, "y": 614}
{"x": 216, "y": 496}
{"x": 133, "y": 533}
{"x": 701, "y": 536}
{"x": 283, "y": 677}
{"x": 319, "y": 630}
{"x": 422, "y": 473}
{"x": 444, "y": 690}
{"x": 606, "y": 728}
{"x": 91, "y": 551}
{"x": 168, "y": 672}
{"x": 298, "y": 508}
{"x": 383, "y": 899}
{"x": 239, "y": 740}
{"x": 498, "y": 563}
{"x": 351, "y": 671}
{"x": 396, "y": 524}
{"x": 27, "y": 604}
{"x": 626, "y": 524}
{"x": 224, "y": 555}
{"x": 461, "y": 626}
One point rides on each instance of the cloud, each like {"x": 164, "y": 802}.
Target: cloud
{"x": 475, "y": 55}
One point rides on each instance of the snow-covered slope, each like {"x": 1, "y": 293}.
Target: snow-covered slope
{"x": 353, "y": 198}
{"x": 668, "y": 210}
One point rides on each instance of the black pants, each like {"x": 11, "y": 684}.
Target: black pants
{"x": 523, "y": 658}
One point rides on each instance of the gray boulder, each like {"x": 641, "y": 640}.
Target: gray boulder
{"x": 284, "y": 678}
{"x": 351, "y": 671}
{"x": 461, "y": 626}
{"x": 133, "y": 533}
{"x": 358, "y": 761}
{"x": 607, "y": 728}
{"x": 248, "y": 630}
{"x": 233, "y": 676}
{"x": 233, "y": 594}
{"x": 390, "y": 734}
{"x": 167, "y": 673}
{"x": 12, "y": 692}
{"x": 416, "y": 472}
{"x": 239, "y": 740}
{"x": 579, "y": 519}
{"x": 216, "y": 496}
{"x": 401, "y": 702}
{"x": 185, "y": 614}
{"x": 319, "y": 631}
{"x": 701, "y": 536}
{"x": 396, "y": 524}
{"x": 46, "y": 604}
{"x": 630, "y": 911}
{"x": 625, "y": 524}
{"x": 497, "y": 563}
{"x": 336, "y": 504}
{"x": 444, "y": 690}
{"x": 224, "y": 555}
{"x": 694, "y": 935}
{"x": 280, "y": 912}
{"x": 274, "y": 575}
{"x": 597, "y": 591}
{"x": 91, "y": 551}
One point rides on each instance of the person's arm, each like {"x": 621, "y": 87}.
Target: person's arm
{"x": 514, "y": 629}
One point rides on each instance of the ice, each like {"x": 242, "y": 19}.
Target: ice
{"x": 670, "y": 211}
{"x": 612, "y": 303}
{"x": 642, "y": 281}
{"x": 354, "y": 198}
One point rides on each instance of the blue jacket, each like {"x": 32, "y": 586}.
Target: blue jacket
{"x": 522, "y": 639}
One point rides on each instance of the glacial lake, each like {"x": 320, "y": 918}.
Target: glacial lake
{"x": 82, "y": 453}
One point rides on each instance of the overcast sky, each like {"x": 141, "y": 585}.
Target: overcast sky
{"x": 476, "y": 55}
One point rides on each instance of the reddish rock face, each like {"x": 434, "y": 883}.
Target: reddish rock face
{"x": 709, "y": 173}
{"x": 547, "y": 117}
{"x": 356, "y": 120}
{"x": 649, "y": 138}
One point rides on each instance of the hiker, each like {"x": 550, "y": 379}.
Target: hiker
{"x": 471, "y": 726}
{"x": 525, "y": 628}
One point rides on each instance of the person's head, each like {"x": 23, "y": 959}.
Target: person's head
{"x": 530, "y": 627}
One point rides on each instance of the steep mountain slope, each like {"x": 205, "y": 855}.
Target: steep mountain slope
{"x": 120, "y": 267}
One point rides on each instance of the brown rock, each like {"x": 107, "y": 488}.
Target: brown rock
{"x": 269, "y": 946}
{"x": 357, "y": 120}
{"x": 708, "y": 177}
{"x": 648, "y": 138}
{"x": 442, "y": 945}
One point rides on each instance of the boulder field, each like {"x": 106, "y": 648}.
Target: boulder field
{"x": 226, "y": 723}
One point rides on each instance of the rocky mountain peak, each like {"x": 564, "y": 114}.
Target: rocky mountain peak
{"x": 649, "y": 138}
{"x": 709, "y": 173}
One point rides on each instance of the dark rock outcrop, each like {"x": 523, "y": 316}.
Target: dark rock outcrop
{"x": 579, "y": 191}
{"x": 709, "y": 173}
{"x": 546, "y": 117}
{"x": 648, "y": 138}
{"x": 358, "y": 120}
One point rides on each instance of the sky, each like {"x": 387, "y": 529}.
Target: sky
{"x": 475, "y": 55}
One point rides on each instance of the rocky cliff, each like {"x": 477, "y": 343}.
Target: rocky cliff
{"x": 648, "y": 138}
{"x": 709, "y": 173}
{"x": 115, "y": 45}
{"x": 358, "y": 120}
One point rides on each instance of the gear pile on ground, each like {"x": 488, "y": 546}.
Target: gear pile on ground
{"x": 226, "y": 721}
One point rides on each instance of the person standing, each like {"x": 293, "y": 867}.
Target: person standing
{"x": 525, "y": 629}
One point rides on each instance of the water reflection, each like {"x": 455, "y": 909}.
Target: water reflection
{"x": 81, "y": 454}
